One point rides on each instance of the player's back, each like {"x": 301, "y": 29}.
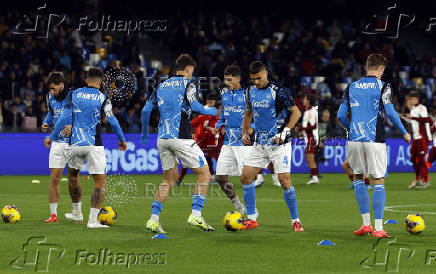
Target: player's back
{"x": 366, "y": 107}
{"x": 87, "y": 105}
{"x": 173, "y": 109}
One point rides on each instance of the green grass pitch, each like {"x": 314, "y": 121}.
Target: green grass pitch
{"x": 328, "y": 212}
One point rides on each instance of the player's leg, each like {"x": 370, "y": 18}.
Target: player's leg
{"x": 54, "y": 193}
{"x": 181, "y": 175}
{"x": 281, "y": 159}
{"x": 431, "y": 155}
{"x": 169, "y": 165}
{"x": 259, "y": 181}
{"x": 56, "y": 163}
{"x": 75, "y": 162}
{"x": 414, "y": 150}
{"x": 423, "y": 164}
{"x": 274, "y": 175}
{"x": 75, "y": 189}
{"x": 356, "y": 157}
{"x": 192, "y": 157}
{"x": 96, "y": 161}
{"x": 310, "y": 158}
{"x": 229, "y": 163}
{"x": 248, "y": 186}
{"x": 376, "y": 158}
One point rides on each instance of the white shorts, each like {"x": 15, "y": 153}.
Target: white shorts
{"x": 368, "y": 158}
{"x": 260, "y": 156}
{"x": 57, "y": 158}
{"x": 189, "y": 153}
{"x": 94, "y": 156}
{"x": 231, "y": 160}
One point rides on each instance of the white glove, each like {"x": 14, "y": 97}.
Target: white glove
{"x": 283, "y": 134}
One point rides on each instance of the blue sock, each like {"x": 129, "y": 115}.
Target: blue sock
{"x": 250, "y": 198}
{"x": 291, "y": 201}
{"x": 198, "y": 202}
{"x": 378, "y": 201}
{"x": 156, "y": 207}
{"x": 361, "y": 196}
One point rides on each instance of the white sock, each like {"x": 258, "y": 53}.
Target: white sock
{"x": 154, "y": 218}
{"x": 315, "y": 177}
{"x": 196, "y": 213}
{"x": 259, "y": 177}
{"x": 251, "y": 217}
{"x": 378, "y": 224}
{"x": 366, "y": 217}
{"x": 93, "y": 213}
{"x": 295, "y": 220}
{"x": 77, "y": 208}
{"x": 54, "y": 208}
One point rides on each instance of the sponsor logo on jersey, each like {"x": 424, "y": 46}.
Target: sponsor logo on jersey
{"x": 261, "y": 104}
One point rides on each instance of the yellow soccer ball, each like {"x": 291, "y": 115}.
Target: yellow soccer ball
{"x": 414, "y": 223}
{"x": 233, "y": 221}
{"x": 107, "y": 216}
{"x": 10, "y": 214}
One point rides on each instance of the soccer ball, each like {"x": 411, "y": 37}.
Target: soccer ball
{"x": 10, "y": 214}
{"x": 107, "y": 216}
{"x": 233, "y": 221}
{"x": 414, "y": 223}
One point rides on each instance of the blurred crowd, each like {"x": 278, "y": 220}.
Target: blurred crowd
{"x": 318, "y": 57}
{"x": 313, "y": 56}
{"x": 26, "y": 61}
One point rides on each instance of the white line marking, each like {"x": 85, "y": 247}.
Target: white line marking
{"x": 390, "y": 208}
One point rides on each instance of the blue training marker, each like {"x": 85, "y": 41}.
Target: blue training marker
{"x": 160, "y": 236}
{"x": 391, "y": 222}
{"x": 326, "y": 242}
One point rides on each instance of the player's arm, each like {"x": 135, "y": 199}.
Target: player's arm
{"x": 285, "y": 101}
{"x": 246, "y": 121}
{"x": 193, "y": 99}
{"x": 63, "y": 122}
{"x": 423, "y": 119}
{"x": 113, "y": 122}
{"x": 47, "y": 121}
{"x": 48, "y": 118}
{"x": 145, "y": 116}
{"x": 392, "y": 113}
{"x": 343, "y": 110}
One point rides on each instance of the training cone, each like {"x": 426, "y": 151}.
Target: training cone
{"x": 326, "y": 242}
{"x": 391, "y": 222}
{"x": 160, "y": 236}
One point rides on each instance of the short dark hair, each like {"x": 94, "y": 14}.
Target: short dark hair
{"x": 184, "y": 60}
{"x": 55, "y": 77}
{"x": 414, "y": 94}
{"x": 311, "y": 99}
{"x": 375, "y": 60}
{"x": 232, "y": 70}
{"x": 256, "y": 67}
{"x": 94, "y": 73}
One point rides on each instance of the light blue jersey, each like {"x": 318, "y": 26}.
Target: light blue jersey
{"x": 88, "y": 106}
{"x": 55, "y": 106}
{"x": 268, "y": 106}
{"x": 367, "y": 99}
{"x": 176, "y": 98}
{"x": 232, "y": 115}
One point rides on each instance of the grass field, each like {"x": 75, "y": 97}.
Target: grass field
{"x": 327, "y": 211}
